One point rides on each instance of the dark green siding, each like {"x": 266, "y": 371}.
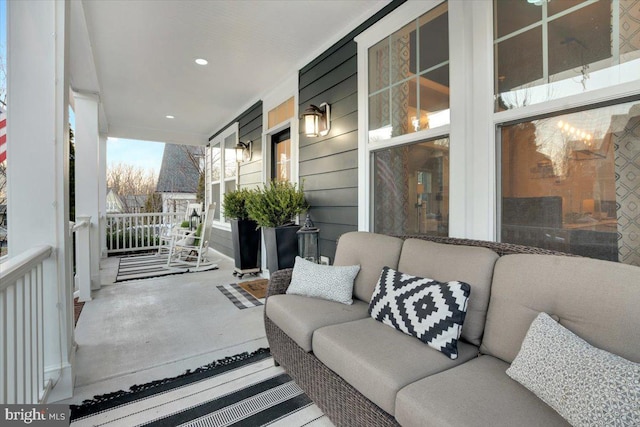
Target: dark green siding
{"x": 329, "y": 164}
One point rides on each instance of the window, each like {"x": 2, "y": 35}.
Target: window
{"x": 222, "y": 168}
{"x": 407, "y": 142}
{"x": 547, "y": 50}
{"x": 411, "y": 189}
{"x": 409, "y": 78}
{"x": 571, "y": 182}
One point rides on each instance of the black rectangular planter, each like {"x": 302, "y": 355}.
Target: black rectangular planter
{"x": 281, "y": 244}
{"x": 246, "y": 244}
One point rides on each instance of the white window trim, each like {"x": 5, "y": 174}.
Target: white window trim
{"x": 219, "y": 140}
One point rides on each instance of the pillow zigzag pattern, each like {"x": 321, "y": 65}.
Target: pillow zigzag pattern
{"x": 424, "y": 308}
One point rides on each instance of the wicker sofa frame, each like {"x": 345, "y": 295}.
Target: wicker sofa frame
{"x": 341, "y": 402}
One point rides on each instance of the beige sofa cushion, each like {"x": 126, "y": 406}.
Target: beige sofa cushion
{"x": 371, "y": 252}
{"x": 378, "y": 360}
{"x": 597, "y": 300}
{"x": 477, "y": 393}
{"x": 300, "y": 316}
{"x": 444, "y": 263}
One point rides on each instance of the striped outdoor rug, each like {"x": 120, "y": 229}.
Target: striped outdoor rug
{"x": 246, "y": 389}
{"x": 152, "y": 265}
{"x": 240, "y": 297}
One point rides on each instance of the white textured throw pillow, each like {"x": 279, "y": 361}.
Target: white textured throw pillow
{"x": 586, "y": 385}
{"x": 330, "y": 282}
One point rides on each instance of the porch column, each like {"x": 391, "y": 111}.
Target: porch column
{"x": 87, "y": 177}
{"x": 102, "y": 194}
{"x": 38, "y": 167}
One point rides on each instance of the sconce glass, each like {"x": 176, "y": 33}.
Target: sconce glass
{"x": 244, "y": 151}
{"x": 317, "y": 120}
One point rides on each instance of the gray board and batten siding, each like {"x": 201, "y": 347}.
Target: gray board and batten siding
{"x": 249, "y": 129}
{"x": 329, "y": 164}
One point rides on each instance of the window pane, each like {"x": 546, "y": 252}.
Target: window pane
{"x": 402, "y": 109}
{"x": 403, "y": 47}
{"x": 519, "y": 60}
{"x": 514, "y": 15}
{"x": 434, "y": 98}
{"x": 230, "y": 165}
{"x": 434, "y": 37}
{"x": 411, "y": 189}
{"x": 379, "y": 117}
{"x": 215, "y": 162}
{"x": 595, "y": 45}
{"x": 229, "y": 186}
{"x": 283, "y": 160}
{"x": 580, "y": 38}
{"x": 572, "y": 183}
{"x": 379, "y": 66}
{"x": 215, "y": 198}
{"x": 629, "y": 27}
{"x": 409, "y": 78}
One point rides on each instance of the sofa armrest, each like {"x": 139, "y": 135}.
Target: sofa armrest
{"x": 279, "y": 282}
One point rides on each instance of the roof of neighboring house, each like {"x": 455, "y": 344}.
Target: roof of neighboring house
{"x": 137, "y": 200}
{"x": 178, "y": 174}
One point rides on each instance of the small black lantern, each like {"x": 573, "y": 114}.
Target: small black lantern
{"x": 308, "y": 241}
{"x": 194, "y": 220}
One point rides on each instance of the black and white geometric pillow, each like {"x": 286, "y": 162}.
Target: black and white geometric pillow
{"x": 429, "y": 310}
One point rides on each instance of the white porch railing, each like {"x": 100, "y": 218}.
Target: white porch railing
{"x": 22, "y": 328}
{"x": 138, "y": 232}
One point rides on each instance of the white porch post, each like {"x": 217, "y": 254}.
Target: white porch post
{"x": 38, "y": 166}
{"x": 87, "y": 179}
{"x": 102, "y": 194}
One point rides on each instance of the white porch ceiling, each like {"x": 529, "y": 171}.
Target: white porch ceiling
{"x": 139, "y": 56}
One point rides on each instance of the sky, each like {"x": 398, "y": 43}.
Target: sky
{"x": 145, "y": 154}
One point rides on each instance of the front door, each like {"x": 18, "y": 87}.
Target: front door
{"x": 281, "y": 161}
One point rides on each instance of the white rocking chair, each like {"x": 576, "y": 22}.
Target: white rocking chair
{"x": 188, "y": 249}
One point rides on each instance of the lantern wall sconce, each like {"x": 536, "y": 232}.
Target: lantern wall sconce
{"x": 317, "y": 120}
{"x": 244, "y": 151}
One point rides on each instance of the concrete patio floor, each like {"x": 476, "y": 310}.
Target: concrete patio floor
{"x": 143, "y": 330}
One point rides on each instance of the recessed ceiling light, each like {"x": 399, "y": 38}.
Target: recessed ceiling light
{"x": 201, "y": 61}
{"x": 170, "y": 116}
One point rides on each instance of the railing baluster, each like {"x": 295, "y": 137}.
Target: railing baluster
{"x": 12, "y": 368}
{"x": 34, "y": 335}
{"x": 28, "y": 390}
{"x": 40, "y": 327}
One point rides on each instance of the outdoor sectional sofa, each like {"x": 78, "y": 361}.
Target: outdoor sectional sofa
{"x": 362, "y": 372}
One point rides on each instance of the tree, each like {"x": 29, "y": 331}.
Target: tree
{"x": 133, "y": 184}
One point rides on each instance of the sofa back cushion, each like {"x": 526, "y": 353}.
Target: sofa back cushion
{"x": 596, "y": 300}
{"x": 446, "y": 263}
{"x": 371, "y": 252}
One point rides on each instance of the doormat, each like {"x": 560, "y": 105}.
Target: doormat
{"x": 257, "y": 288}
{"x": 151, "y": 265}
{"x": 239, "y": 297}
{"x": 245, "y": 389}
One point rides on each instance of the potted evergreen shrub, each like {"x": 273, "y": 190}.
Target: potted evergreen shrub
{"x": 274, "y": 208}
{"x": 244, "y": 232}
